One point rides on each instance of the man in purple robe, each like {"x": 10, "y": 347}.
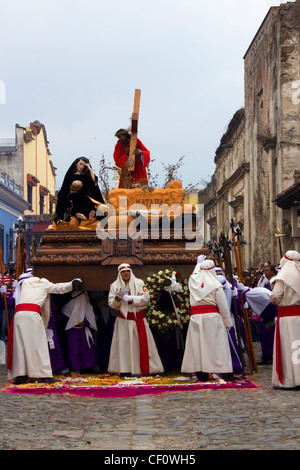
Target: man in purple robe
{"x": 259, "y": 301}
{"x": 82, "y": 353}
{"x": 57, "y": 359}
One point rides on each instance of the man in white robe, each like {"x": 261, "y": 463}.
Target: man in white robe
{"x": 207, "y": 346}
{"x": 28, "y": 352}
{"x": 286, "y": 294}
{"x": 133, "y": 349}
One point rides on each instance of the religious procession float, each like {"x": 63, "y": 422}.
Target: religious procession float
{"x": 153, "y": 229}
{"x": 155, "y": 242}
{"x": 149, "y": 239}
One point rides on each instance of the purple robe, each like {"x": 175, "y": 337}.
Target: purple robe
{"x": 267, "y": 326}
{"x": 234, "y": 350}
{"x": 240, "y": 318}
{"x": 82, "y": 351}
{"x": 267, "y": 329}
{"x": 56, "y": 357}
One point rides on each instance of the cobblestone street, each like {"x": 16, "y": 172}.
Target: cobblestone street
{"x": 259, "y": 419}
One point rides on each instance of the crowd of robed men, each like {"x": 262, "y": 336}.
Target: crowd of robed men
{"x": 211, "y": 345}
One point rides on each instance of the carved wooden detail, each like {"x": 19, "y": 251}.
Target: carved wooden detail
{"x": 127, "y": 250}
{"x": 63, "y": 256}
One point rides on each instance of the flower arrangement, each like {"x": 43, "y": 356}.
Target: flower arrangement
{"x": 166, "y": 320}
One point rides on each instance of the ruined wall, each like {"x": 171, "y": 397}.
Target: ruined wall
{"x": 272, "y": 123}
{"x": 259, "y": 153}
{"x": 288, "y": 157}
{"x": 226, "y": 197}
{"x": 261, "y": 110}
{"x": 229, "y": 160}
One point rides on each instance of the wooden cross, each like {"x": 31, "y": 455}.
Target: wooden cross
{"x": 134, "y": 129}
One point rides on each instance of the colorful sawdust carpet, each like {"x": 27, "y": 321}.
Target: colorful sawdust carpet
{"x": 105, "y": 385}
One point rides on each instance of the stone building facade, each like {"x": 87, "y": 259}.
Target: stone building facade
{"x": 30, "y": 167}
{"x": 256, "y": 179}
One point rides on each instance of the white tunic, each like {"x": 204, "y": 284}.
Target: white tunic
{"x": 125, "y": 349}
{"x": 282, "y": 295}
{"x": 30, "y": 347}
{"x": 207, "y": 346}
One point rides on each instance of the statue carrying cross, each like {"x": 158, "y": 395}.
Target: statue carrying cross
{"x": 130, "y": 155}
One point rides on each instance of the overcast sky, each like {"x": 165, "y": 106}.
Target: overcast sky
{"x": 73, "y": 65}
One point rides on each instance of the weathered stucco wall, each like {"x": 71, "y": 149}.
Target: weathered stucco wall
{"x": 260, "y": 152}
